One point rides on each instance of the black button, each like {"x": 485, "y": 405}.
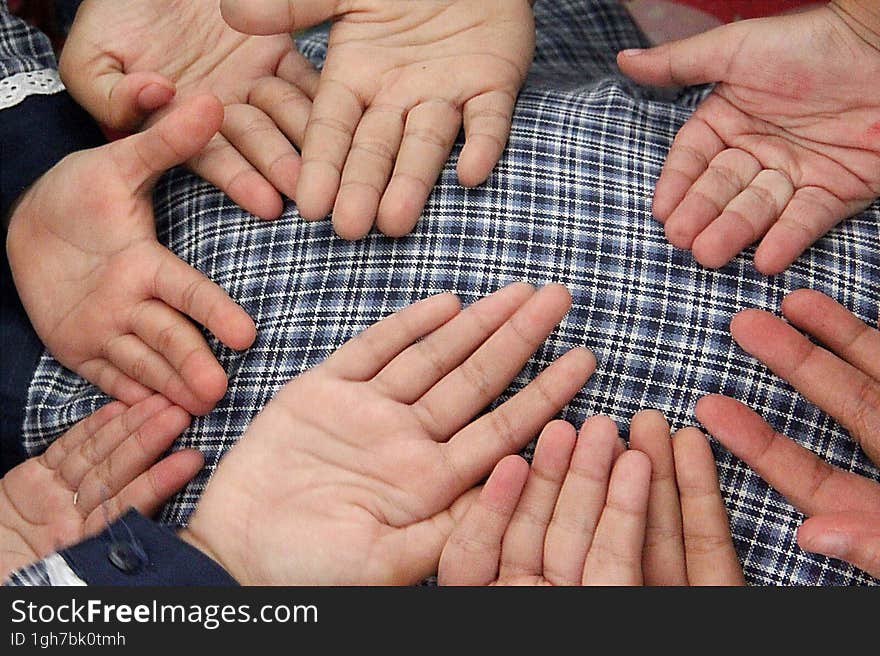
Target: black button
{"x": 125, "y": 557}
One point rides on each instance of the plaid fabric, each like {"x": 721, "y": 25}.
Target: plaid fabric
{"x": 569, "y": 202}
{"x": 23, "y": 49}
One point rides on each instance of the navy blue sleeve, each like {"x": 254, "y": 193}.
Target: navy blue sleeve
{"x": 35, "y": 135}
{"x": 136, "y": 551}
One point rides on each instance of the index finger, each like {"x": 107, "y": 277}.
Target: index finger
{"x": 711, "y": 558}
{"x": 810, "y": 484}
{"x": 191, "y": 292}
{"x": 841, "y": 390}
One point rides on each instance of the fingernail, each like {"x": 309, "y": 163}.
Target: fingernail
{"x": 632, "y": 52}
{"x": 833, "y": 544}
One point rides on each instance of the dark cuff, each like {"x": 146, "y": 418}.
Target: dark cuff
{"x": 136, "y": 551}
{"x": 35, "y": 135}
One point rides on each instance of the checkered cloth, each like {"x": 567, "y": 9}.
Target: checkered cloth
{"x": 27, "y": 62}
{"x": 570, "y": 203}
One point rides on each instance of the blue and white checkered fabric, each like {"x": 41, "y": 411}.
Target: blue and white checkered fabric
{"x": 570, "y": 203}
{"x": 22, "y": 48}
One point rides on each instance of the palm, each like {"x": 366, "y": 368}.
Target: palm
{"x": 105, "y": 297}
{"x": 375, "y": 450}
{"x": 398, "y": 78}
{"x": 90, "y": 475}
{"x": 189, "y": 44}
{"x": 783, "y": 149}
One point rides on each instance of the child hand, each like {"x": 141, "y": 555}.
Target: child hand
{"x": 783, "y": 149}
{"x": 589, "y": 512}
{"x": 400, "y": 78}
{"x": 125, "y": 60}
{"x": 844, "y": 381}
{"x": 92, "y": 474}
{"x": 107, "y": 300}
{"x": 354, "y": 472}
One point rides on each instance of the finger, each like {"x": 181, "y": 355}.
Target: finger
{"x": 850, "y": 536}
{"x": 663, "y": 560}
{"x": 275, "y": 16}
{"x": 259, "y": 140}
{"x": 471, "y": 555}
{"x": 522, "y": 554}
{"x": 223, "y": 166}
{"x": 72, "y": 439}
{"x": 299, "y": 71}
{"x": 745, "y": 219}
{"x": 580, "y": 501}
{"x": 699, "y": 59}
{"x": 92, "y": 451}
{"x": 366, "y": 354}
{"x": 810, "y": 484}
{"x": 98, "y": 82}
{"x": 177, "y": 340}
{"x": 148, "y": 367}
{"x": 420, "y": 545}
{"x": 694, "y": 147}
{"x": 841, "y": 390}
{"x": 711, "y": 558}
{"x": 367, "y": 169}
{"x": 285, "y": 104}
{"x": 151, "y": 490}
{"x": 615, "y": 556}
{"x": 191, "y": 292}
{"x": 110, "y": 380}
{"x": 839, "y": 329}
{"x": 487, "y": 119}
{"x": 462, "y": 393}
{"x": 811, "y": 213}
{"x": 472, "y": 452}
{"x": 430, "y": 133}
{"x": 419, "y": 367}
{"x": 728, "y": 174}
{"x": 335, "y": 116}
{"x": 132, "y": 457}
{"x": 177, "y": 137}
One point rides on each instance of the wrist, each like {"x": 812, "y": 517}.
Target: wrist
{"x": 194, "y": 539}
{"x": 862, "y": 16}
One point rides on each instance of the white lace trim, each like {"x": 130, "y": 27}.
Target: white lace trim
{"x": 17, "y": 87}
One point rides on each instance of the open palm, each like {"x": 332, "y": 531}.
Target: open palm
{"x": 399, "y": 79}
{"x": 106, "y": 298}
{"x": 783, "y": 149}
{"x": 126, "y": 58}
{"x": 354, "y": 472}
{"x": 97, "y": 470}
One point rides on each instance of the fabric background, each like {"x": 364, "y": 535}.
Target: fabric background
{"x": 570, "y": 203}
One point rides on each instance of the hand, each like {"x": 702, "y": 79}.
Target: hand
{"x": 589, "y": 512}
{"x": 91, "y": 475}
{"x": 400, "y": 76}
{"x": 784, "y": 148}
{"x": 107, "y": 300}
{"x": 126, "y": 58}
{"x": 844, "y": 381}
{"x": 354, "y": 473}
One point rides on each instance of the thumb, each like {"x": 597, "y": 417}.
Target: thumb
{"x": 173, "y": 140}
{"x": 696, "y": 60}
{"x": 275, "y": 16}
{"x": 117, "y": 99}
{"x": 850, "y": 536}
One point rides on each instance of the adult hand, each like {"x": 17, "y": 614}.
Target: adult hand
{"x": 354, "y": 473}
{"x": 92, "y": 474}
{"x": 126, "y": 58}
{"x": 589, "y": 512}
{"x": 785, "y": 147}
{"x": 399, "y": 79}
{"x": 107, "y": 300}
{"x": 844, "y": 381}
